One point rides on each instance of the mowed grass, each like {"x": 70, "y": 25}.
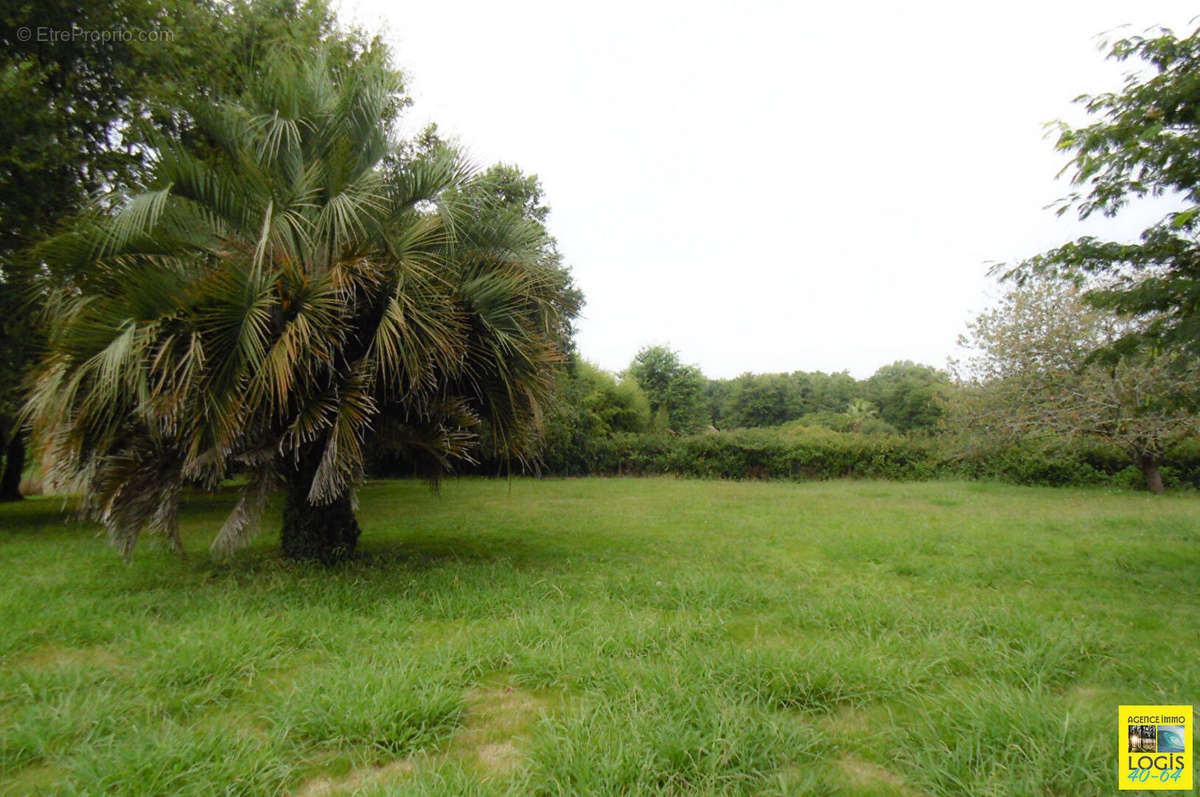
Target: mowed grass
{"x": 633, "y": 636}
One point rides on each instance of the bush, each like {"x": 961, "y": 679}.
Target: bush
{"x": 1074, "y": 463}
{"x": 767, "y": 453}
{"x": 796, "y": 452}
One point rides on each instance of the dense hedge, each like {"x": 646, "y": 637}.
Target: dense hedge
{"x": 814, "y": 453}
{"x": 771, "y": 454}
{"x": 802, "y": 453}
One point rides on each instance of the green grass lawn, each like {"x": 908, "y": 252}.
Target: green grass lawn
{"x": 608, "y": 636}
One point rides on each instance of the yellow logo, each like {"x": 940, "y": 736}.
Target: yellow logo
{"x": 1155, "y": 747}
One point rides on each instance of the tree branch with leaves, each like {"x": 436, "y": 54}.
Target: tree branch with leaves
{"x": 1144, "y": 143}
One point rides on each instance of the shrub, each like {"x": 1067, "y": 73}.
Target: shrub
{"x": 796, "y": 452}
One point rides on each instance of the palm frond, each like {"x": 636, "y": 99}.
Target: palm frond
{"x": 244, "y": 521}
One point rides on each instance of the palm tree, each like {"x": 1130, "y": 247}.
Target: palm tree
{"x": 859, "y": 411}
{"x": 291, "y": 286}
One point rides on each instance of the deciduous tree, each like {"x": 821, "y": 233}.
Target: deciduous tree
{"x": 675, "y": 391}
{"x": 1031, "y": 373}
{"x": 909, "y": 396}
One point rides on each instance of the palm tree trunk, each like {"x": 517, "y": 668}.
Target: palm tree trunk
{"x": 325, "y": 532}
{"x": 1148, "y": 465}
{"x": 14, "y": 463}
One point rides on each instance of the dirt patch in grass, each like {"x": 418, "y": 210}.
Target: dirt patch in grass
{"x": 858, "y": 727}
{"x": 36, "y": 779}
{"x": 357, "y": 779}
{"x": 491, "y": 741}
{"x": 496, "y": 726}
{"x": 49, "y": 657}
{"x": 862, "y": 774}
{"x": 848, "y": 721}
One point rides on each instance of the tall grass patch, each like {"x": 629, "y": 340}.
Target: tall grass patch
{"x": 656, "y": 636}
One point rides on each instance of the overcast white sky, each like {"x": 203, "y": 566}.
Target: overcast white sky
{"x": 772, "y": 186}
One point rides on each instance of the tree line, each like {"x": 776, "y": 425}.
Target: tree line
{"x": 657, "y": 392}
{"x": 1030, "y": 401}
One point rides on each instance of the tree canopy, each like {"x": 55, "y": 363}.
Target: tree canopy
{"x": 762, "y": 400}
{"x": 1031, "y": 375}
{"x": 288, "y": 284}
{"x": 675, "y": 391}
{"x": 910, "y": 397}
{"x": 79, "y": 115}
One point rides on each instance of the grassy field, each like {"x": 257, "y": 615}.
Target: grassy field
{"x": 608, "y": 636}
